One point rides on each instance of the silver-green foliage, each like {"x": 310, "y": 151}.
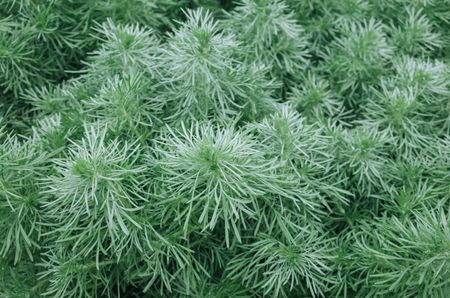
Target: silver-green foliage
{"x": 279, "y": 148}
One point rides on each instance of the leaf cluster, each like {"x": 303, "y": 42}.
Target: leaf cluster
{"x": 269, "y": 148}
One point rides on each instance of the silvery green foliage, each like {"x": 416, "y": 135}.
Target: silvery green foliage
{"x": 396, "y": 263}
{"x": 273, "y": 266}
{"x": 123, "y": 49}
{"x": 415, "y": 34}
{"x": 203, "y": 77}
{"x": 97, "y": 185}
{"x": 198, "y": 69}
{"x": 122, "y": 104}
{"x": 41, "y": 40}
{"x": 216, "y": 175}
{"x": 314, "y": 99}
{"x": 359, "y": 55}
{"x": 278, "y": 148}
{"x": 270, "y": 34}
{"x": 20, "y": 197}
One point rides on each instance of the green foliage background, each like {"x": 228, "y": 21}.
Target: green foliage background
{"x": 267, "y": 148}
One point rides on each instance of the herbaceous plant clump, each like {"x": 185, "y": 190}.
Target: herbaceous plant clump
{"x": 252, "y": 148}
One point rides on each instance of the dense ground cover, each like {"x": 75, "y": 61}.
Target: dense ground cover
{"x": 296, "y": 148}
